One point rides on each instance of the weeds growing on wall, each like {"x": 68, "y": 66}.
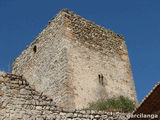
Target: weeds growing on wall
{"x": 121, "y": 104}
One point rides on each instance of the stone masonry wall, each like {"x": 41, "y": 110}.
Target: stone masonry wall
{"x": 93, "y": 51}
{"x": 20, "y": 101}
{"x": 86, "y": 66}
{"x": 94, "y": 36}
{"x": 47, "y": 68}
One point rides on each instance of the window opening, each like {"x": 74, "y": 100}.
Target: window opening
{"x": 35, "y": 49}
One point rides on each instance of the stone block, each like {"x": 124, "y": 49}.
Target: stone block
{"x": 1, "y": 92}
{"x": 1, "y": 79}
{"x": 69, "y": 115}
{"x": 0, "y": 104}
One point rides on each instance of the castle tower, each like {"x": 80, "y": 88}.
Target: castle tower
{"x": 76, "y": 62}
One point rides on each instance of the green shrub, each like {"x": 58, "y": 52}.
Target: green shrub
{"x": 121, "y": 104}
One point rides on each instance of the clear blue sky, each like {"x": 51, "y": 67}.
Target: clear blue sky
{"x": 137, "y": 20}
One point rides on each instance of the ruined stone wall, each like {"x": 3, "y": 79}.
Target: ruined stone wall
{"x": 44, "y": 62}
{"x": 20, "y": 101}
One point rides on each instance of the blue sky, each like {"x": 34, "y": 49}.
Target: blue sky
{"x": 137, "y": 20}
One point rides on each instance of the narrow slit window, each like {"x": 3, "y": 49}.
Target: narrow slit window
{"x": 100, "y": 77}
{"x": 35, "y": 49}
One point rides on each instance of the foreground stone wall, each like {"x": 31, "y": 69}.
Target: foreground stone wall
{"x": 20, "y": 101}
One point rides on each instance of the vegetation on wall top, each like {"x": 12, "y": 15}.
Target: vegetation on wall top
{"x": 121, "y": 104}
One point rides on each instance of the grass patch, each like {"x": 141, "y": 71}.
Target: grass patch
{"x": 121, "y": 104}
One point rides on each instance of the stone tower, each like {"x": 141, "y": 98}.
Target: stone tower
{"x": 75, "y": 62}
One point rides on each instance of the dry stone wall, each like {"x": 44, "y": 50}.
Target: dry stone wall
{"x": 20, "y": 101}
